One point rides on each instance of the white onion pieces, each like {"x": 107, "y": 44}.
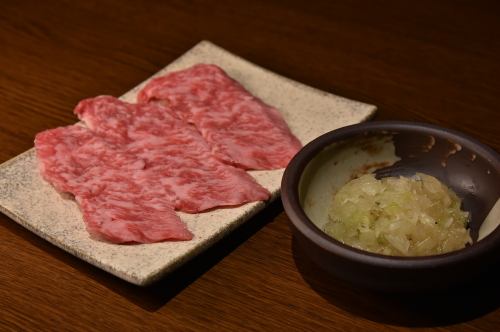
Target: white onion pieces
{"x": 402, "y": 216}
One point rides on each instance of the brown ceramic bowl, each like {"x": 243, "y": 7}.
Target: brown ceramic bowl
{"x": 470, "y": 168}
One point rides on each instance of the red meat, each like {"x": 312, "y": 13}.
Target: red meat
{"x": 115, "y": 206}
{"x": 240, "y": 129}
{"x": 174, "y": 154}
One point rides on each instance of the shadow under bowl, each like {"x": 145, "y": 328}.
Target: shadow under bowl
{"x": 389, "y": 148}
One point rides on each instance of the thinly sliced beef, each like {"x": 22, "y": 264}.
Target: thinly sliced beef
{"x": 175, "y": 154}
{"x": 54, "y": 149}
{"x": 240, "y": 129}
{"x": 134, "y": 164}
{"x": 116, "y": 206}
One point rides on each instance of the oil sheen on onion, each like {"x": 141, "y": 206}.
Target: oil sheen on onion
{"x": 399, "y": 216}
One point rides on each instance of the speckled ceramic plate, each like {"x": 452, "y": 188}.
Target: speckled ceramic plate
{"x": 33, "y": 203}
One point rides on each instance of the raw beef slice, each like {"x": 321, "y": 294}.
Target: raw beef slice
{"x": 176, "y": 157}
{"x": 240, "y": 129}
{"x": 117, "y": 204}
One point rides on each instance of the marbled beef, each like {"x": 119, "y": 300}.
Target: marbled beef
{"x": 240, "y": 129}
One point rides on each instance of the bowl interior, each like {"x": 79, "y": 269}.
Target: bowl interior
{"x": 470, "y": 169}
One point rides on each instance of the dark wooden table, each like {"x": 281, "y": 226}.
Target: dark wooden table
{"x": 432, "y": 61}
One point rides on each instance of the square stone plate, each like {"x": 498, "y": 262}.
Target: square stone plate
{"x": 34, "y": 203}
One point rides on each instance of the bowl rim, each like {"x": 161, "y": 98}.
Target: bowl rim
{"x": 298, "y": 218}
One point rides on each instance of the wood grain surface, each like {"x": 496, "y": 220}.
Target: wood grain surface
{"x": 428, "y": 61}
